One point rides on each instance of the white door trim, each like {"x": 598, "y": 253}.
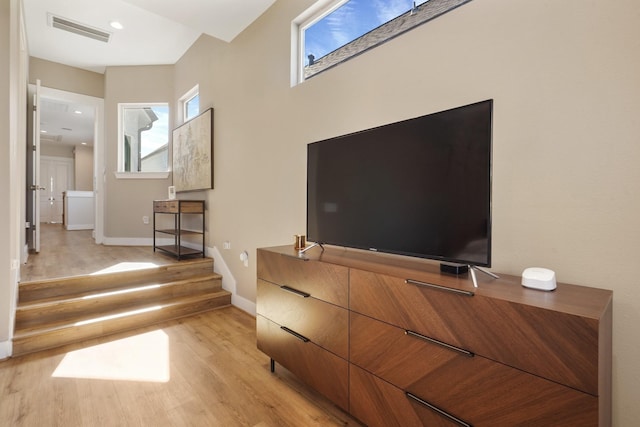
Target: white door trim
{"x": 99, "y": 167}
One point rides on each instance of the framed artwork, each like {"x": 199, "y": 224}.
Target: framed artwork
{"x": 193, "y": 154}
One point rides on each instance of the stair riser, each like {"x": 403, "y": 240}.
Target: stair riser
{"x": 34, "y": 291}
{"x": 43, "y": 314}
{"x": 65, "y": 336}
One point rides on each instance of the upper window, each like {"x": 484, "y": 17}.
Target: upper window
{"x": 190, "y": 103}
{"x": 144, "y": 137}
{"x": 346, "y": 28}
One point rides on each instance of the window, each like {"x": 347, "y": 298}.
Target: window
{"x": 144, "y": 137}
{"x": 346, "y": 28}
{"x": 190, "y": 104}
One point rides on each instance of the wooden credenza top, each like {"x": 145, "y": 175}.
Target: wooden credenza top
{"x": 582, "y": 301}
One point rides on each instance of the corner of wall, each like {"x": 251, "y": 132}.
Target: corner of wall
{"x": 229, "y": 282}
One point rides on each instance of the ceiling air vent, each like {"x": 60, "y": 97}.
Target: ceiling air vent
{"x": 80, "y": 29}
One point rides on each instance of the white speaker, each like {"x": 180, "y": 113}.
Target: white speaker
{"x": 539, "y": 278}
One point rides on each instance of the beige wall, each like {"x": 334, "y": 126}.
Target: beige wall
{"x": 13, "y": 83}
{"x": 64, "y": 77}
{"x": 128, "y": 200}
{"x": 83, "y": 163}
{"x": 564, "y": 77}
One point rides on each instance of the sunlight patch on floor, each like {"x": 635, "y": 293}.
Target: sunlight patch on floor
{"x": 126, "y": 266}
{"x": 118, "y": 315}
{"x": 121, "y": 292}
{"x": 143, "y": 357}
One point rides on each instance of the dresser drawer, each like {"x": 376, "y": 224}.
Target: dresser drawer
{"x": 318, "y": 368}
{"x": 325, "y": 324}
{"x": 178, "y": 206}
{"x": 468, "y": 386}
{"x": 378, "y": 403}
{"x": 165, "y": 206}
{"x": 328, "y": 282}
{"x": 552, "y": 344}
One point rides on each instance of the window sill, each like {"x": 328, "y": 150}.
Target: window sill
{"x": 141, "y": 175}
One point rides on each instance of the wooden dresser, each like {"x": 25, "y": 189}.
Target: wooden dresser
{"x": 394, "y": 342}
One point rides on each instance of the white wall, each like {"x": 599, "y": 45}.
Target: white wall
{"x": 565, "y": 80}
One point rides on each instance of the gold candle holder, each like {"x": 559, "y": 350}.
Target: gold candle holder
{"x": 300, "y": 241}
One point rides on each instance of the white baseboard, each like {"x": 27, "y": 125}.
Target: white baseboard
{"x": 229, "y": 282}
{"x": 244, "y": 304}
{"x": 79, "y": 227}
{"x": 6, "y": 349}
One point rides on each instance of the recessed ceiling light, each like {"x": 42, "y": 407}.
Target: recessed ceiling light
{"x": 78, "y": 112}
{"x": 83, "y": 143}
{"x": 43, "y": 131}
{"x": 117, "y": 25}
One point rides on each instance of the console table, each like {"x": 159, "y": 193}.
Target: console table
{"x": 177, "y": 209}
{"x": 395, "y": 342}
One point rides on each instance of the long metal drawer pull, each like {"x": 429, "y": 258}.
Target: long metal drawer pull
{"x": 438, "y": 410}
{"x": 440, "y": 343}
{"x": 439, "y": 287}
{"x": 295, "y": 334}
{"x": 295, "y": 291}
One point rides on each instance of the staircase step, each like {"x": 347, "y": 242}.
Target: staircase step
{"x": 80, "y": 305}
{"x": 62, "y": 333}
{"x": 57, "y": 312}
{"x": 52, "y": 289}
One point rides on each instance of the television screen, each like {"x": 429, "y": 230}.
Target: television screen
{"x": 419, "y": 187}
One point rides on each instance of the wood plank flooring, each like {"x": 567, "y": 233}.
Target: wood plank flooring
{"x": 205, "y": 370}
{"x": 72, "y": 253}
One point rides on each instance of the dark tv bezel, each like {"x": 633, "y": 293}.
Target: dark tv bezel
{"x": 440, "y": 258}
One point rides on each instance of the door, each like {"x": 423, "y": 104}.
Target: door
{"x": 33, "y": 169}
{"x": 56, "y": 176}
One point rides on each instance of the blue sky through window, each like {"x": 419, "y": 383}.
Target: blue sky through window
{"x": 158, "y": 135}
{"x": 350, "y": 21}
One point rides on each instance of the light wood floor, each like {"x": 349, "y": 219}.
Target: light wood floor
{"x": 71, "y": 253}
{"x": 203, "y": 370}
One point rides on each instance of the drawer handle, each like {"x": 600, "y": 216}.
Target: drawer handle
{"x": 295, "y": 291}
{"x": 440, "y": 287}
{"x": 295, "y": 334}
{"x": 438, "y": 410}
{"x": 440, "y": 343}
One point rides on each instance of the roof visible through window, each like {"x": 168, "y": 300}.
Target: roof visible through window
{"x": 351, "y": 27}
{"x": 350, "y": 21}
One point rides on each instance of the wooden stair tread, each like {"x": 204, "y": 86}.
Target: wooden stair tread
{"x": 116, "y": 314}
{"x": 56, "y": 312}
{"x": 51, "y": 288}
{"x": 126, "y": 288}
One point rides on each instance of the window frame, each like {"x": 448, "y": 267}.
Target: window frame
{"x": 421, "y": 14}
{"x": 120, "y": 173}
{"x": 184, "y": 102}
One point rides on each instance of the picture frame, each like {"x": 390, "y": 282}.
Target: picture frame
{"x": 193, "y": 154}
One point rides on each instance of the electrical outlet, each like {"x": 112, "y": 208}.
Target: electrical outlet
{"x": 145, "y": 219}
{"x": 226, "y": 245}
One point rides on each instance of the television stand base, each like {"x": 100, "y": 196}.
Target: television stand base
{"x": 473, "y": 268}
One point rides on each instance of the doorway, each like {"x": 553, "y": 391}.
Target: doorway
{"x": 70, "y": 139}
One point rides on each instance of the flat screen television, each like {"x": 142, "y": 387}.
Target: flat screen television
{"x": 420, "y": 187}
